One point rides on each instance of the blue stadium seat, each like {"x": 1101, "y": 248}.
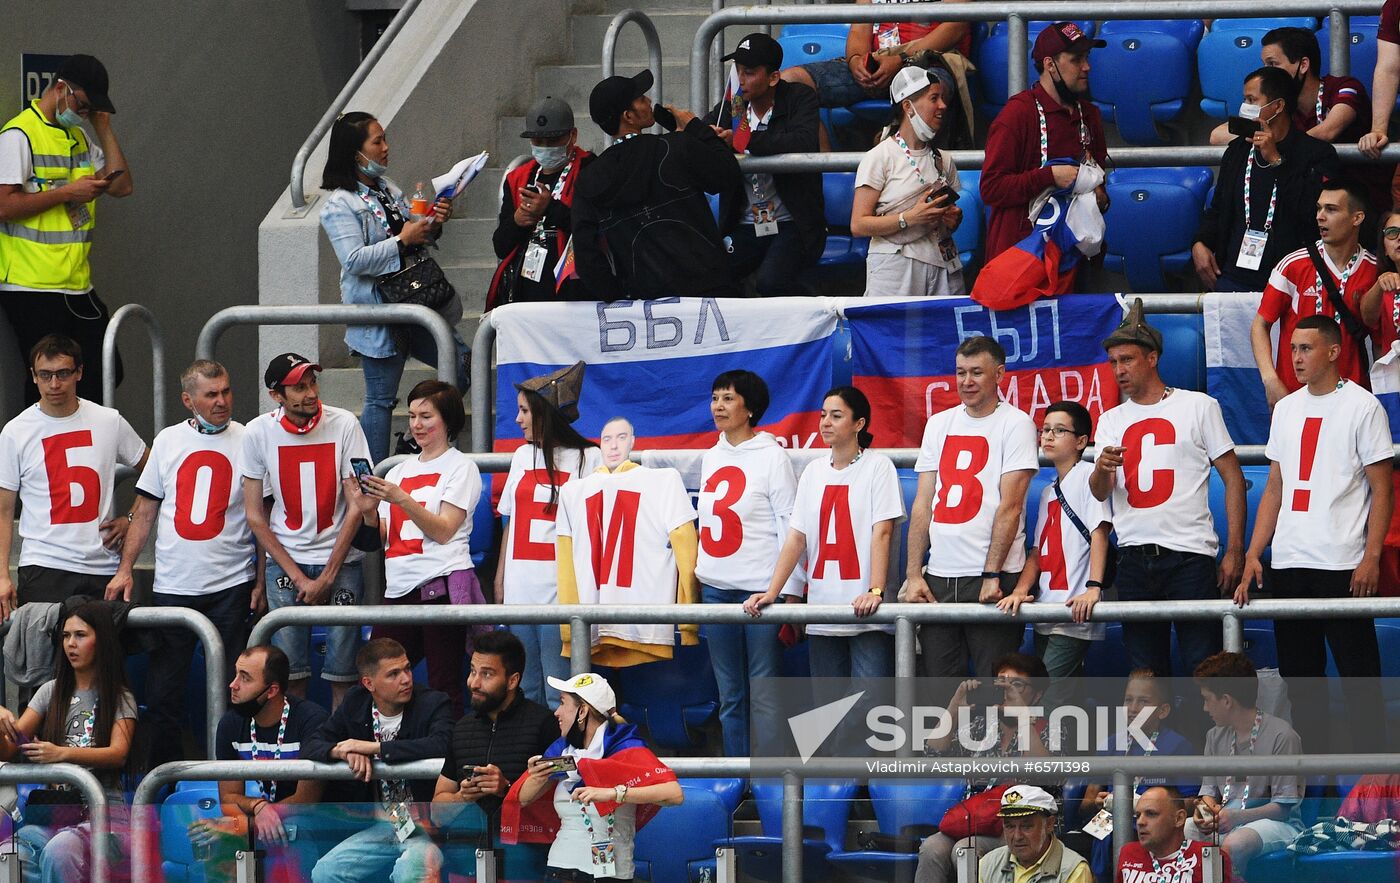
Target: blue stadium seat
{"x": 1259, "y": 643}
{"x": 901, "y": 807}
{"x": 1255, "y": 477}
{"x": 1198, "y": 179}
{"x": 189, "y": 802}
{"x": 991, "y": 54}
{"x": 1183, "y": 363}
{"x": 826, "y": 807}
{"x": 1107, "y": 658}
{"x": 838, "y": 188}
{"x": 1264, "y": 24}
{"x": 1033, "y": 28}
{"x": 678, "y": 843}
{"x": 1188, "y": 30}
{"x": 1136, "y": 103}
{"x": 823, "y": 28}
{"x": 483, "y": 523}
{"x": 461, "y": 836}
{"x": 1150, "y": 228}
{"x": 1223, "y": 59}
{"x": 970, "y": 235}
{"x": 1039, "y": 482}
{"x": 909, "y": 489}
{"x": 805, "y": 48}
{"x": 1363, "y": 46}
{"x": 673, "y": 698}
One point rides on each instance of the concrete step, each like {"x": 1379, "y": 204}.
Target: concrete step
{"x": 471, "y": 279}
{"x": 465, "y": 239}
{"x": 675, "y": 27}
{"x": 574, "y": 82}
{"x": 613, "y": 7}
{"x": 481, "y": 199}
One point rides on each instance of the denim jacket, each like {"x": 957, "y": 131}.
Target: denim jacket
{"x": 366, "y": 252}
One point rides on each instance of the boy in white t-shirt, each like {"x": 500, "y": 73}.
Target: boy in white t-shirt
{"x": 58, "y": 458}
{"x": 1067, "y": 563}
{"x": 1326, "y": 508}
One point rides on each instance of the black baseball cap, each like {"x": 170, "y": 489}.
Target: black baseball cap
{"x": 613, "y": 96}
{"x": 287, "y": 370}
{"x": 88, "y": 74}
{"x": 757, "y": 50}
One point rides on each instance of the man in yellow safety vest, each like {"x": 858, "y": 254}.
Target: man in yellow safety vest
{"x": 51, "y": 174}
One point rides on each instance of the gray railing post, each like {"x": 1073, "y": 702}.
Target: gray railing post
{"x": 483, "y": 345}
{"x": 905, "y": 660}
{"x": 792, "y": 828}
{"x": 1232, "y": 633}
{"x": 337, "y": 314}
{"x": 644, "y": 22}
{"x": 580, "y": 645}
{"x": 1340, "y": 40}
{"x": 1123, "y": 793}
{"x": 109, "y": 359}
{"x": 84, "y": 781}
{"x": 1018, "y": 49}
{"x": 352, "y": 85}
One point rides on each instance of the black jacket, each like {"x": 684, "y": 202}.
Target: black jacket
{"x": 522, "y": 730}
{"x": 424, "y": 733}
{"x": 791, "y": 129}
{"x": 1306, "y": 163}
{"x": 642, "y": 225}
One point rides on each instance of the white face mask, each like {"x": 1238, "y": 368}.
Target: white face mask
{"x": 1249, "y": 111}
{"x": 925, "y": 132}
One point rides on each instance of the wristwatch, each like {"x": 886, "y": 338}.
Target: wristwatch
{"x": 878, "y": 591}
{"x": 903, "y": 224}
{"x": 620, "y": 793}
{"x": 1093, "y": 584}
{"x": 990, "y": 574}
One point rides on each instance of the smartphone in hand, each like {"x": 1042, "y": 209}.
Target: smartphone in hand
{"x": 664, "y": 117}
{"x": 945, "y": 194}
{"x": 362, "y": 469}
{"x": 1242, "y": 127}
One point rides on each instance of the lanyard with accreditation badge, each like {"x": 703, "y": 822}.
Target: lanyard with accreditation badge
{"x": 536, "y": 252}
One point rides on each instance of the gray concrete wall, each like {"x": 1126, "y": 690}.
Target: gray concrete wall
{"x": 452, "y": 72}
{"x": 213, "y": 100}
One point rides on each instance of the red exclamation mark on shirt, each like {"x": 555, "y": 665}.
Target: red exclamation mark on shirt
{"x": 1312, "y": 428}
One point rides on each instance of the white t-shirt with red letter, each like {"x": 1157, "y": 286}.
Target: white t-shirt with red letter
{"x": 837, "y": 510}
{"x": 1322, "y": 445}
{"x": 203, "y": 543}
{"x": 410, "y": 558}
{"x": 1162, "y": 494}
{"x": 970, "y": 455}
{"x": 746, "y": 496}
{"x": 531, "y": 573}
{"x": 620, "y": 524}
{"x": 302, "y": 471}
{"x": 63, "y": 469}
{"x": 1062, "y": 551}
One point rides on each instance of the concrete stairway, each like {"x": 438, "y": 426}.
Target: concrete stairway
{"x": 466, "y": 254}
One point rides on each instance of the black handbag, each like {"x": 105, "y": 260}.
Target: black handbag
{"x": 421, "y": 281}
{"x": 55, "y": 808}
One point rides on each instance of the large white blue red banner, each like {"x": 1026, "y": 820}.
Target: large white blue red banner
{"x": 1232, "y": 376}
{"x": 903, "y": 354}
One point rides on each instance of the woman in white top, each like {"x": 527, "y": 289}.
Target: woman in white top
{"x": 553, "y": 454}
{"x": 906, "y": 197}
{"x": 597, "y": 807}
{"x": 423, "y": 509}
{"x": 84, "y": 716}
{"x": 843, "y": 519}
{"x": 746, "y": 493}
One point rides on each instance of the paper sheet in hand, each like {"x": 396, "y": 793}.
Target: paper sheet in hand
{"x": 450, "y": 185}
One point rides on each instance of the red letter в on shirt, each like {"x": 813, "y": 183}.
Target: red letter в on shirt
{"x": 290, "y": 460}
{"x": 962, "y": 458}
{"x": 613, "y": 537}
{"x": 63, "y": 476}
{"x": 1163, "y": 481}
{"x": 217, "y": 491}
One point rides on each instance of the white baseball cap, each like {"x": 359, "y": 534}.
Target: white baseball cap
{"x": 910, "y": 81}
{"x": 1023, "y": 800}
{"x": 591, "y": 688}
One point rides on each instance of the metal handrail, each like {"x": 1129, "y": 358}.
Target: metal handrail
{"x": 648, "y": 28}
{"x": 215, "y": 657}
{"x": 352, "y": 85}
{"x": 1016, "y": 13}
{"x": 717, "y": 50}
{"x": 109, "y": 359}
{"x": 337, "y": 314}
{"x": 83, "y": 780}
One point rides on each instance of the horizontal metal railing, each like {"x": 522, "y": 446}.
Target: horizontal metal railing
{"x": 85, "y": 782}
{"x": 337, "y": 314}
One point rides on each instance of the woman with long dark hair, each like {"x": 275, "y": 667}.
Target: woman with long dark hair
{"x": 84, "y": 716}
{"x": 843, "y": 518}
{"x": 553, "y": 453}
{"x": 423, "y": 509}
{"x": 374, "y": 234}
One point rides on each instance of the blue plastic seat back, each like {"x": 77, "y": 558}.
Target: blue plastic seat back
{"x": 991, "y": 55}
{"x": 828, "y": 28}
{"x": 1148, "y": 223}
{"x": 1264, "y": 24}
{"x": 673, "y": 697}
{"x": 1188, "y": 30}
{"x": 1183, "y": 363}
{"x": 1136, "y": 103}
{"x": 483, "y": 523}
{"x": 970, "y": 235}
{"x": 1255, "y": 477}
{"x": 1197, "y": 179}
{"x": 200, "y": 800}
{"x": 838, "y": 189}
{"x": 1033, "y": 28}
{"x": 901, "y": 804}
{"x": 1039, "y": 482}
{"x": 1224, "y": 58}
{"x": 1259, "y": 644}
{"x": 805, "y": 48}
{"x": 1363, "y": 42}
{"x": 679, "y": 835}
{"x": 826, "y": 806}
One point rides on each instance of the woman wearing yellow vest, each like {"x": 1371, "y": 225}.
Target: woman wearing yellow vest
{"x": 51, "y": 173}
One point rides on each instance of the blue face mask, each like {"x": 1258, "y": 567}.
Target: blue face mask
{"x": 208, "y": 428}
{"x": 69, "y": 118}
{"x": 550, "y": 158}
{"x": 372, "y": 168}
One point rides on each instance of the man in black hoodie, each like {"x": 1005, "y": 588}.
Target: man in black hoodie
{"x": 642, "y": 226}
{"x": 384, "y": 717}
{"x": 778, "y": 222}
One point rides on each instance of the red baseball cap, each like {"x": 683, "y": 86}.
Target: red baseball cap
{"x": 1064, "y": 36}
{"x": 287, "y": 370}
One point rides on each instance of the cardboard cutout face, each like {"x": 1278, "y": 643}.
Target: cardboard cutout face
{"x": 616, "y": 442}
